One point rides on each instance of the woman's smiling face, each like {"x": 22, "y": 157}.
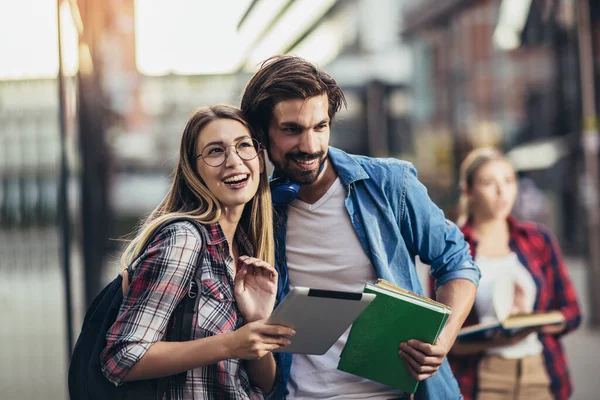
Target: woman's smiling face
{"x": 235, "y": 182}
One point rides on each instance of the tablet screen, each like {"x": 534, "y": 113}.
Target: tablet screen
{"x": 318, "y": 316}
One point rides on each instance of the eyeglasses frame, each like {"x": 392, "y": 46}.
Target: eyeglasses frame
{"x": 259, "y": 148}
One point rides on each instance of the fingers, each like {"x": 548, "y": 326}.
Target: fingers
{"x": 413, "y": 346}
{"x": 420, "y": 357}
{"x": 552, "y": 329}
{"x": 260, "y": 266}
{"x": 270, "y": 347}
{"x": 260, "y": 338}
{"x": 273, "y": 330}
{"x": 503, "y": 339}
{"x": 274, "y": 342}
{"x": 496, "y": 335}
{"x": 521, "y": 335}
{"x": 240, "y": 276}
{"x": 418, "y": 371}
{"x": 258, "y": 348}
{"x": 525, "y": 332}
{"x": 423, "y": 359}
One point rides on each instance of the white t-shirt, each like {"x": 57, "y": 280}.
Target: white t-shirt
{"x": 323, "y": 252}
{"x": 507, "y": 268}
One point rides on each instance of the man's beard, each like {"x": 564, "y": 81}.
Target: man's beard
{"x": 304, "y": 177}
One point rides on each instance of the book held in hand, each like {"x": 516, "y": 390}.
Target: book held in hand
{"x": 513, "y": 323}
{"x": 395, "y": 316}
{"x": 512, "y": 311}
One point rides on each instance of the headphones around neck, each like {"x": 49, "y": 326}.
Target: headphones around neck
{"x": 284, "y": 190}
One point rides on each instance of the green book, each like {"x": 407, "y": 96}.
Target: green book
{"x": 394, "y": 316}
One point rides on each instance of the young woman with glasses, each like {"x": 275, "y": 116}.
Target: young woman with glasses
{"x": 221, "y": 182}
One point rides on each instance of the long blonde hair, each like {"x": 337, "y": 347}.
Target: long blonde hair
{"x": 188, "y": 195}
{"x": 468, "y": 169}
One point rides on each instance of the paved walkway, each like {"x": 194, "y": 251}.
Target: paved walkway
{"x": 583, "y": 345}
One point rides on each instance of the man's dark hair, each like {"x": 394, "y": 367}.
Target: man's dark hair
{"x": 285, "y": 78}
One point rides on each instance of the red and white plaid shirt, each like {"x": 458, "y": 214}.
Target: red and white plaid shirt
{"x": 539, "y": 252}
{"x": 161, "y": 279}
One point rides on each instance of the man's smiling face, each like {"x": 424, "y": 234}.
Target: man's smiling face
{"x": 299, "y": 137}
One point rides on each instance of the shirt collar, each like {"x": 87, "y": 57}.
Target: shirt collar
{"x": 347, "y": 168}
{"x": 216, "y": 236}
{"x": 515, "y": 228}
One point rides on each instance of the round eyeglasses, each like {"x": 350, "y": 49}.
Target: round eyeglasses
{"x": 214, "y": 155}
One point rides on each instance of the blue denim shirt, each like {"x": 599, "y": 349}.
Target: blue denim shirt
{"x": 395, "y": 220}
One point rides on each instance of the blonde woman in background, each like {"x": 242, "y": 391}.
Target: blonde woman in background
{"x": 221, "y": 182}
{"x": 530, "y": 364}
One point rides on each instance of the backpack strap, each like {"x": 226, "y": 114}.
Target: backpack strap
{"x": 180, "y": 323}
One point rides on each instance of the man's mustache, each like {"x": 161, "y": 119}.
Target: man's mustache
{"x": 300, "y": 156}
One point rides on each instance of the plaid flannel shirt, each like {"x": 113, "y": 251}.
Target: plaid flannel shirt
{"x": 539, "y": 252}
{"x": 161, "y": 279}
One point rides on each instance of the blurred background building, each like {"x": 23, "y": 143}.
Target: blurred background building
{"x": 504, "y": 74}
{"x": 94, "y": 97}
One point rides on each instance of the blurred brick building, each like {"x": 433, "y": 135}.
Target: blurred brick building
{"x": 503, "y": 73}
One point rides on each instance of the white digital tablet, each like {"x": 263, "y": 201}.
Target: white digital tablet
{"x": 319, "y": 317}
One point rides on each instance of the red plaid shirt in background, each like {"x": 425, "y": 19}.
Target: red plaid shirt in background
{"x": 161, "y": 279}
{"x": 539, "y": 252}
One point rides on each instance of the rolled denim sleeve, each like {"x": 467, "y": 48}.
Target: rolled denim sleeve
{"x": 436, "y": 240}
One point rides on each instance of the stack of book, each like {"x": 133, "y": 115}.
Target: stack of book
{"x": 395, "y": 316}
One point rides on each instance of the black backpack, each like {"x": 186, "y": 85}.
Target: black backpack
{"x": 86, "y": 380}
